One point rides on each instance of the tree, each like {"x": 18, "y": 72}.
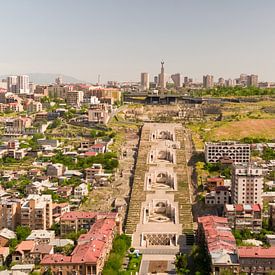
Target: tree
{"x": 22, "y": 232}
{"x": 182, "y": 264}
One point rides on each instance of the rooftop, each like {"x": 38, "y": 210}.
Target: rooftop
{"x": 256, "y": 252}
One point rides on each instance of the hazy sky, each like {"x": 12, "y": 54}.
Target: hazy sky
{"x": 118, "y": 39}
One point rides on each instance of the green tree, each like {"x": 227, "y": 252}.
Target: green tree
{"x": 22, "y": 232}
{"x": 181, "y": 264}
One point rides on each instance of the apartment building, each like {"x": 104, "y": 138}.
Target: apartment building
{"x": 75, "y": 98}
{"x": 247, "y": 184}
{"x": 10, "y": 213}
{"x": 256, "y": 260}
{"x": 215, "y": 235}
{"x": 101, "y": 93}
{"x": 36, "y": 212}
{"x": 98, "y": 113}
{"x": 33, "y": 106}
{"x": 17, "y": 126}
{"x": 220, "y": 196}
{"x": 228, "y": 150}
{"x": 91, "y": 172}
{"x": 208, "y": 81}
{"x": 55, "y": 170}
{"x": 81, "y": 191}
{"x": 89, "y": 255}
{"x": 59, "y": 91}
{"x": 76, "y": 220}
{"x": 244, "y": 216}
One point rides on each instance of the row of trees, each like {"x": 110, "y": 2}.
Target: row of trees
{"x": 235, "y": 91}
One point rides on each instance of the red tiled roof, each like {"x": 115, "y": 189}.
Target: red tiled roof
{"x": 239, "y": 207}
{"x": 91, "y": 246}
{"x": 256, "y": 252}
{"x": 214, "y": 179}
{"x": 90, "y": 154}
{"x": 73, "y": 215}
{"x": 98, "y": 145}
{"x": 25, "y": 246}
{"x": 256, "y": 207}
{"x": 56, "y": 258}
{"x": 217, "y": 233}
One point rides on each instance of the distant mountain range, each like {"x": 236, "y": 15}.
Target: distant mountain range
{"x": 45, "y": 78}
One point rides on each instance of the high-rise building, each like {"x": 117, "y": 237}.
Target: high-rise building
{"x": 36, "y": 212}
{"x": 161, "y": 78}
{"x": 208, "y": 81}
{"x": 177, "y": 79}
{"x": 247, "y": 184}
{"x": 243, "y": 79}
{"x": 229, "y": 82}
{"x": 252, "y": 80}
{"x": 11, "y": 83}
{"x": 221, "y": 82}
{"x": 144, "y": 81}
{"x": 156, "y": 79}
{"x": 23, "y": 84}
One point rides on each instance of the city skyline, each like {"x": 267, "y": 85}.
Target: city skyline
{"x": 120, "y": 41}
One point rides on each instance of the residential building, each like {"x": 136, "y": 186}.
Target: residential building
{"x": 99, "y": 148}
{"x": 13, "y": 144}
{"x": 10, "y": 213}
{"x": 144, "y": 81}
{"x": 36, "y": 212}
{"x": 99, "y": 114}
{"x": 40, "y": 251}
{"x": 93, "y": 249}
{"x": 208, "y": 81}
{"x": 76, "y": 220}
{"x": 64, "y": 191}
{"x": 74, "y": 98}
{"x": 59, "y": 91}
{"x": 41, "y": 236}
{"x": 101, "y": 93}
{"x": 215, "y": 235}
{"x": 22, "y": 252}
{"x": 4, "y": 252}
{"x": 23, "y": 84}
{"x": 81, "y": 191}
{"x": 5, "y": 236}
{"x": 221, "y": 195}
{"x": 252, "y": 80}
{"x": 212, "y": 183}
{"x": 244, "y": 216}
{"x": 221, "y": 82}
{"x": 11, "y": 83}
{"x": 177, "y": 79}
{"x": 55, "y": 170}
{"x": 236, "y": 152}
{"x": 17, "y": 126}
{"x": 247, "y": 184}
{"x": 256, "y": 260}
{"x": 34, "y": 106}
{"x": 59, "y": 209}
{"x": 91, "y": 172}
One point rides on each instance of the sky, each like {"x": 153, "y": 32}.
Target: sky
{"x": 119, "y": 39}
